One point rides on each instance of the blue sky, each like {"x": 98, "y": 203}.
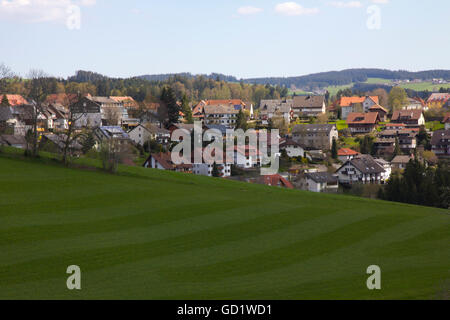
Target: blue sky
{"x": 245, "y": 38}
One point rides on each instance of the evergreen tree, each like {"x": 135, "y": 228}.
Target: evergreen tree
{"x": 334, "y": 150}
{"x": 88, "y": 143}
{"x": 169, "y": 99}
{"x": 397, "y": 150}
{"x": 241, "y": 121}
{"x": 186, "y": 109}
{"x": 5, "y": 101}
{"x": 215, "y": 171}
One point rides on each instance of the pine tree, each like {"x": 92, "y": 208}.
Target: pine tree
{"x": 186, "y": 109}
{"x": 5, "y": 101}
{"x": 334, "y": 150}
{"x": 88, "y": 143}
{"x": 169, "y": 99}
{"x": 241, "y": 121}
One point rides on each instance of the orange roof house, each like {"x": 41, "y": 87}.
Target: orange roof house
{"x": 359, "y": 123}
{"x": 15, "y": 99}
{"x": 348, "y": 101}
{"x": 127, "y": 102}
{"x": 347, "y": 152}
{"x": 197, "y": 112}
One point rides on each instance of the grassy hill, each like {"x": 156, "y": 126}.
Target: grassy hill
{"x": 145, "y": 234}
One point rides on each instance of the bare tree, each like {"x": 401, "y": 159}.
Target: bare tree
{"x": 70, "y": 137}
{"x": 112, "y": 116}
{"x": 39, "y": 87}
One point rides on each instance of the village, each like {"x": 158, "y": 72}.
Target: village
{"x": 324, "y": 146}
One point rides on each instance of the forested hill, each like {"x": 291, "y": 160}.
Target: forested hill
{"x": 167, "y": 76}
{"x": 335, "y": 78}
{"x": 323, "y": 79}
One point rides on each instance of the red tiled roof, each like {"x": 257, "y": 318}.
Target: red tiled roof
{"x": 362, "y": 118}
{"x": 347, "y": 152}
{"x": 15, "y": 99}
{"x": 276, "y": 180}
{"x": 378, "y": 107}
{"x": 348, "y": 101}
{"x": 198, "y": 109}
{"x": 410, "y": 114}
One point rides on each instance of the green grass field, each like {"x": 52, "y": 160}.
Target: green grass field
{"x": 146, "y": 234}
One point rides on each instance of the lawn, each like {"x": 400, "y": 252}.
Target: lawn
{"x": 340, "y": 124}
{"x": 434, "y": 125}
{"x": 149, "y": 234}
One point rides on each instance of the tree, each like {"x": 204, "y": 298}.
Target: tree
{"x": 39, "y": 86}
{"x": 397, "y": 150}
{"x": 334, "y": 150}
{"x": 382, "y": 95}
{"x": 367, "y": 145}
{"x": 215, "y": 171}
{"x": 88, "y": 142}
{"x": 169, "y": 99}
{"x": 397, "y": 98}
{"x": 241, "y": 121}
{"x": 5, "y": 101}
{"x": 186, "y": 109}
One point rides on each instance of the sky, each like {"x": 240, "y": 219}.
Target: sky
{"x": 244, "y": 38}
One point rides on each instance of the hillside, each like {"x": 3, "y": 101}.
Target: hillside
{"x": 146, "y": 234}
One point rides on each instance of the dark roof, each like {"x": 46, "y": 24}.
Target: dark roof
{"x": 322, "y": 177}
{"x": 309, "y": 101}
{"x": 363, "y": 118}
{"x": 5, "y": 113}
{"x": 313, "y": 128}
{"x": 440, "y": 137}
{"x": 13, "y": 140}
{"x": 407, "y": 114}
{"x": 366, "y": 164}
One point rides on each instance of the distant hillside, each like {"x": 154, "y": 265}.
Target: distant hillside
{"x": 164, "y": 77}
{"x": 344, "y": 77}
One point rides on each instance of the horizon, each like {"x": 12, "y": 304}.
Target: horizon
{"x": 245, "y": 39}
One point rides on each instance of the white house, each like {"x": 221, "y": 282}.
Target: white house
{"x": 247, "y": 157}
{"x": 362, "y": 169}
{"x": 142, "y": 134}
{"x": 293, "y": 149}
{"x": 205, "y": 169}
{"x": 321, "y": 181}
{"x": 346, "y": 154}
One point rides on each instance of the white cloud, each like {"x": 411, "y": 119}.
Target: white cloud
{"x": 348, "y": 4}
{"x": 249, "y": 10}
{"x": 380, "y": 1}
{"x": 39, "y": 10}
{"x": 294, "y": 9}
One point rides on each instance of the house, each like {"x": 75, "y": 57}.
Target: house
{"x": 107, "y": 133}
{"x": 225, "y": 115}
{"x": 362, "y": 123}
{"x": 163, "y": 161}
{"x": 14, "y": 99}
{"x": 447, "y": 121}
{"x": 198, "y": 111}
{"x": 382, "y": 112}
{"x": 87, "y": 112}
{"x": 416, "y": 104}
{"x": 346, "y": 154}
{"x": 57, "y": 141}
{"x": 308, "y": 106}
{"x": 439, "y": 100}
{"x": 13, "y": 141}
{"x": 362, "y": 169}
{"x": 348, "y": 104}
{"x": 59, "y": 115}
{"x": 275, "y": 180}
{"x": 315, "y": 136}
{"x": 384, "y": 146}
{"x": 400, "y": 162}
{"x": 113, "y": 112}
{"x": 127, "y": 102}
{"x": 440, "y": 143}
{"x": 293, "y": 149}
{"x": 246, "y": 157}
{"x": 395, "y": 126}
{"x": 321, "y": 182}
{"x": 205, "y": 168}
{"x": 411, "y": 118}
{"x": 145, "y": 133}
{"x": 270, "y": 108}
{"x": 64, "y": 99}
